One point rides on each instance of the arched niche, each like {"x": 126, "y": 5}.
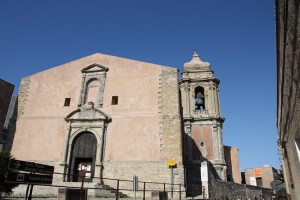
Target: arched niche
{"x": 92, "y": 91}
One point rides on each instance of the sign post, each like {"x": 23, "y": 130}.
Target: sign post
{"x": 257, "y": 172}
{"x": 81, "y": 191}
{"x": 135, "y": 185}
{"x": 253, "y": 181}
{"x": 171, "y": 163}
{"x": 23, "y": 172}
{"x": 20, "y": 177}
{"x": 30, "y": 167}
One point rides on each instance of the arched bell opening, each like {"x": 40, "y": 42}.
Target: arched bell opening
{"x": 199, "y": 98}
{"x": 83, "y": 157}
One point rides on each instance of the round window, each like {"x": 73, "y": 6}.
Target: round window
{"x": 202, "y": 144}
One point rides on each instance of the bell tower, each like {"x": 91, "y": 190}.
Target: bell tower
{"x": 202, "y": 119}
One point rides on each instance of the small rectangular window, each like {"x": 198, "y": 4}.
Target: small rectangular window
{"x": 67, "y": 101}
{"x": 114, "y": 100}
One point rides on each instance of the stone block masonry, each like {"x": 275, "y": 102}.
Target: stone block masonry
{"x": 232, "y": 191}
{"x": 23, "y": 94}
{"x": 169, "y": 113}
{"x": 150, "y": 171}
{"x": 147, "y": 171}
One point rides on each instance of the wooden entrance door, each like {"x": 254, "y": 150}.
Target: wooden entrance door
{"x": 83, "y": 157}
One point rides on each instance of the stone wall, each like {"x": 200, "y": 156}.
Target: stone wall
{"x": 232, "y": 191}
{"x": 155, "y": 172}
{"x": 169, "y": 113}
{"x": 23, "y": 94}
{"x": 288, "y": 91}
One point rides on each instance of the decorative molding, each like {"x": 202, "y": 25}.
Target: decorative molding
{"x": 87, "y": 114}
{"x": 94, "y": 68}
{"x": 88, "y": 117}
{"x": 94, "y": 72}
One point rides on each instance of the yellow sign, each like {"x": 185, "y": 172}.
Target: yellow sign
{"x": 171, "y": 163}
{"x": 257, "y": 172}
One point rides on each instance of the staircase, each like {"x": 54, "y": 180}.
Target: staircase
{"x": 105, "y": 191}
{"x": 73, "y": 191}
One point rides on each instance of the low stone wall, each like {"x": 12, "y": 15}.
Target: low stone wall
{"x": 233, "y": 191}
{"x": 38, "y": 191}
{"x": 147, "y": 171}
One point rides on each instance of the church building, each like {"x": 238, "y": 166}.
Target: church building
{"x": 115, "y": 118}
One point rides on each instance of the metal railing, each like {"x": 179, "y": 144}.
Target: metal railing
{"x": 144, "y": 187}
{"x": 117, "y": 186}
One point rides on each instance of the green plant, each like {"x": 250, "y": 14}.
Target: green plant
{"x": 123, "y": 196}
{"x": 225, "y": 197}
{"x": 5, "y": 188}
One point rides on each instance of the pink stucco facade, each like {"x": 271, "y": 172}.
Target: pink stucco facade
{"x": 132, "y": 134}
{"x": 120, "y": 117}
{"x": 202, "y": 134}
{"x": 233, "y": 164}
{"x": 262, "y": 176}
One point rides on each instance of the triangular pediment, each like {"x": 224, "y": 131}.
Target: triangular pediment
{"x": 87, "y": 114}
{"x": 94, "y": 68}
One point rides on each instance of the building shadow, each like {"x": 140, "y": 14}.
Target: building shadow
{"x": 11, "y": 123}
{"x": 193, "y": 163}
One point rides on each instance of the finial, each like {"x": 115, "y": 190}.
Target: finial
{"x": 195, "y": 53}
{"x": 196, "y": 63}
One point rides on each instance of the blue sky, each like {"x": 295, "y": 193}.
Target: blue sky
{"x": 236, "y": 37}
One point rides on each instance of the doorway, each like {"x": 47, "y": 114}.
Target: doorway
{"x": 83, "y": 169}
{"x": 259, "y": 182}
{"x": 83, "y": 154}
